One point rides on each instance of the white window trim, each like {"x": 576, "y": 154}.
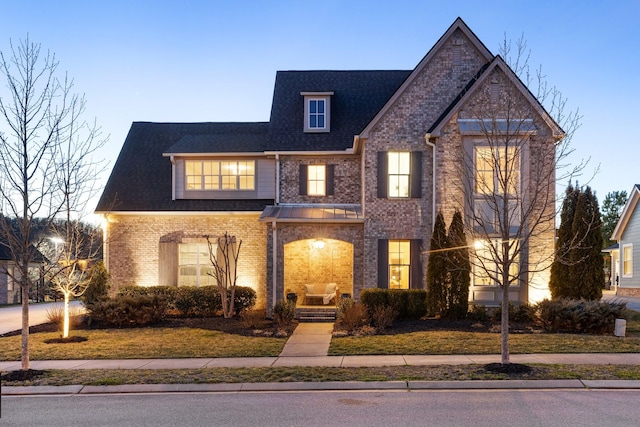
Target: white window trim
{"x": 625, "y": 246}
{"x": 314, "y": 96}
{"x": 220, "y": 175}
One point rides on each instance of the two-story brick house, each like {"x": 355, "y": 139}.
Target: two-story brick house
{"x": 342, "y": 185}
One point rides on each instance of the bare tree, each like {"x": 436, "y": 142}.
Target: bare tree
{"x": 40, "y": 127}
{"x": 514, "y": 148}
{"x": 223, "y": 256}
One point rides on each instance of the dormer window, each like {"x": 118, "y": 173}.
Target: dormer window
{"x": 317, "y": 114}
{"x": 317, "y": 109}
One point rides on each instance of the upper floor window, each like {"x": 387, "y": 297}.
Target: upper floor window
{"x": 220, "y": 175}
{"x": 316, "y": 175}
{"x": 497, "y": 170}
{"x": 399, "y": 173}
{"x": 627, "y": 260}
{"x": 317, "y": 109}
{"x": 317, "y": 114}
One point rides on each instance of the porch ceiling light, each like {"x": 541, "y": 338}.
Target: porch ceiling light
{"x": 318, "y": 244}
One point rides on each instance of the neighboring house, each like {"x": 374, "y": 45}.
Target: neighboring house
{"x": 624, "y": 253}
{"x": 9, "y": 288}
{"x": 342, "y": 185}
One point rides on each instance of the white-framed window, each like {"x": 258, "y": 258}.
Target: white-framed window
{"x": 194, "y": 264}
{"x": 627, "y": 260}
{"x": 485, "y": 266}
{"x": 497, "y": 170}
{"x": 399, "y": 173}
{"x": 317, "y": 113}
{"x": 220, "y": 174}
{"x": 316, "y": 180}
{"x": 399, "y": 264}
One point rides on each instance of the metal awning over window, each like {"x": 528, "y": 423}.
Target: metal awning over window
{"x": 313, "y": 213}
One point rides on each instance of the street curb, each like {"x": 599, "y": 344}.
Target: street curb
{"x": 321, "y": 386}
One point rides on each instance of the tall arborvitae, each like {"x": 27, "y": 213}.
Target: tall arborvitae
{"x": 586, "y": 272}
{"x": 559, "y": 280}
{"x": 459, "y": 270}
{"x": 437, "y": 269}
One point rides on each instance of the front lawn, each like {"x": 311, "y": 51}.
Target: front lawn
{"x": 145, "y": 343}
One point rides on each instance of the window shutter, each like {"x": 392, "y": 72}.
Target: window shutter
{"x": 303, "y": 180}
{"x": 383, "y": 263}
{"x": 416, "y": 279}
{"x": 168, "y": 265}
{"x": 416, "y": 174}
{"x": 383, "y": 179}
{"x": 330, "y": 169}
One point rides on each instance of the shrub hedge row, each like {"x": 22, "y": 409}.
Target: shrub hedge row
{"x": 137, "y": 305}
{"x": 408, "y": 304}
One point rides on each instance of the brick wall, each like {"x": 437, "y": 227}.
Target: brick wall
{"x": 347, "y": 187}
{"x": 134, "y": 241}
{"x": 403, "y": 128}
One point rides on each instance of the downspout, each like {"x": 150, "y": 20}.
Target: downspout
{"x": 433, "y": 179}
{"x": 277, "y": 179}
{"x": 173, "y": 178}
{"x": 274, "y": 267}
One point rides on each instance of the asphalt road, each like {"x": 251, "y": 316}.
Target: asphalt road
{"x": 10, "y": 317}
{"x": 375, "y": 408}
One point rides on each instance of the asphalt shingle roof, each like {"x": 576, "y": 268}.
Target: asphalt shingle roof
{"x": 357, "y": 98}
{"x": 141, "y": 178}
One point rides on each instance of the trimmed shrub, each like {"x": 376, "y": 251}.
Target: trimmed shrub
{"x": 244, "y": 299}
{"x": 252, "y": 318}
{"x": 579, "y": 316}
{"x": 192, "y": 301}
{"x": 383, "y": 316}
{"x": 351, "y": 315}
{"x": 407, "y": 303}
{"x": 478, "y": 313}
{"x": 128, "y": 311}
{"x": 283, "y": 313}
{"x": 98, "y": 287}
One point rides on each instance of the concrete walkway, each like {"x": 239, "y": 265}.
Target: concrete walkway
{"x": 309, "y": 340}
{"x": 331, "y": 361}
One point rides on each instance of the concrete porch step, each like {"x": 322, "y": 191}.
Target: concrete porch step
{"x": 321, "y": 314}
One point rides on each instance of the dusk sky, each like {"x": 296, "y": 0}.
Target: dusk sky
{"x": 193, "y": 61}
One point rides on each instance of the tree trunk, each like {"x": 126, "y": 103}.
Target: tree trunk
{"x": 24, "y": 354}
{"x": 65, "y": 328}
{"x": 504, "y": 326}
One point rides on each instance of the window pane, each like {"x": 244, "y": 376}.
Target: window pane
{"x": 320, "y": 121}
{"x": 399, "y": 264}
{"x": 313, "y": 107}
{"x": 316, "y": 182}
{"x": 320, "y": 106}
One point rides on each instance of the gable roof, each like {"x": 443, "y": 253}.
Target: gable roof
{"x": 476, "y": 82}
{"x": 627, "y": 213}
{"x": 357, "y": 98}
{"x": 458, "y": 24}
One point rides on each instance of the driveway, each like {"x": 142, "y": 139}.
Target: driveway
{"x": 10, "y": 316}
{"x": 633, "y": 303}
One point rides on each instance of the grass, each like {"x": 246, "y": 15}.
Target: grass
{"x": 143, "y": 343}
{"x": 195, "y": 342}
{"x": 456, "y": 342}
{"x": 322, "y": 374}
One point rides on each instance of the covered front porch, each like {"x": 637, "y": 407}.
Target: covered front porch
{"x": 315, "y": 254}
